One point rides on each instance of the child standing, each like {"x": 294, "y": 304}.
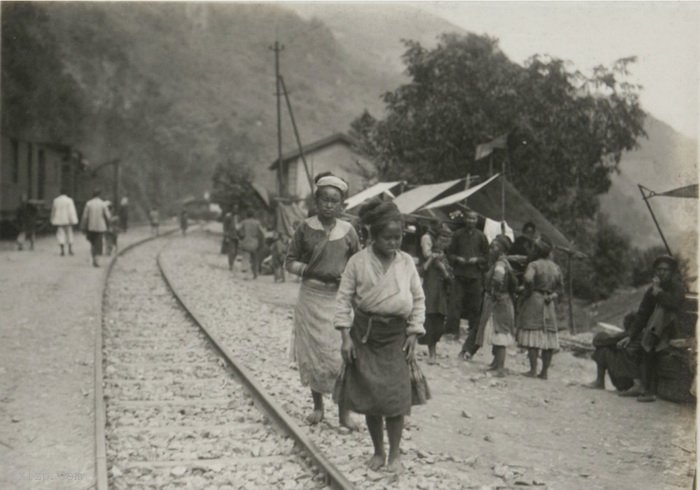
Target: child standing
{"x": 497, "y": 323}
{"x": 154, "y": 218}
{"x": 437, "y": 278}
{"x": 381, "y": 284}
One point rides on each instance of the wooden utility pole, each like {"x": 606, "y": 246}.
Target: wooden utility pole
{"x": 296, "y": 133}
{"x": 277, "y": 48}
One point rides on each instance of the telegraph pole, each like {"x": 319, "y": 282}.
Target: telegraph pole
{"x": 277, "y": 48}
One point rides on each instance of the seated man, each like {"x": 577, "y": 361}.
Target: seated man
{"x": 655, "y": 325}
{"x": 619, "y": 364}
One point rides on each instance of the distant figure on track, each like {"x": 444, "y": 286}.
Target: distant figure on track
{"x": 381, "y": 286}
{"x": 252, "y": 236}
{"x": 64, "y": 217}
{"x": 278, "y": 249}
{"x": 318, "y": 252}
{"x": 26, "y": 223}
{"x": 183, "y": 222}
{"x": 229, "y": 245}
{"x": 95, "y": 223}
{"x": 537, "y": 317}
{"x": 112, "y": 234}
{"x": 154, "y": 218}
{"x": 124, "y": 214}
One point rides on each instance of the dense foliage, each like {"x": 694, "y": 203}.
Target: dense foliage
{"x": 566, "y": 132}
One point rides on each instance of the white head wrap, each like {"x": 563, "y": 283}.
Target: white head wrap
{"x": 333, "y": 181}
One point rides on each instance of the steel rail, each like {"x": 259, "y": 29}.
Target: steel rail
{"x": 334, "y": 478}
{"x": 101, "y": 480}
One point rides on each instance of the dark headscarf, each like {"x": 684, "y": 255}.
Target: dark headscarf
{"x": 377, "y": 213}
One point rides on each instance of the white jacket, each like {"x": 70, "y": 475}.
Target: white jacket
{"x": 63, "y": 211}
{"x": 95, "y": 215}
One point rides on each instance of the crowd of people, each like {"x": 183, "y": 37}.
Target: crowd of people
{"x": 384, "y": 302}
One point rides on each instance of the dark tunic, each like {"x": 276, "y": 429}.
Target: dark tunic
{"x": 436, "y": 286}
{"x": 468, "y": 244}
{"x": 654, "y": 327}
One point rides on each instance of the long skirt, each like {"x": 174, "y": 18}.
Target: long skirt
{"x": 538, "y": 339}
{"x": 316, "y": 342}
{"x": 434, "y": 329}
{"x": 497, "y": 322}
{"x": 380, "y": 381}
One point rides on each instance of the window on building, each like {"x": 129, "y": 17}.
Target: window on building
{"x": 15, "y": 161}
{"x": 41, "y": 181}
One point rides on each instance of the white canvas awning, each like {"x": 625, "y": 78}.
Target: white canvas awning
{"x": 369, "y": 193}
{"x": 414, "y": 199}
{"x": 460, "y": 196}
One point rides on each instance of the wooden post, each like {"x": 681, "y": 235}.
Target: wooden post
{"x": 572, "y": 327}
{"x": 653, "y": 216}
{"x": 277, "y": 48}
{"x": 296, "y": 134}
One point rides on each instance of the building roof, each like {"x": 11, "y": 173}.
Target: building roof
{"x": 316, "y": 145}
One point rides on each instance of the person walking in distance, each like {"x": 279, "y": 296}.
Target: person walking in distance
{"x": 252, "y": 236}
{"x": 154, "y": 218}
{"x": 95, "y": 223}
{"x": 64, "y": 217}
{"x": 468, "y": 254}
{"x": 124, "y": 213}
{"x": 318, "y": 252}
{"x": 183, "y": 222}
{"x": 26, "y": 222}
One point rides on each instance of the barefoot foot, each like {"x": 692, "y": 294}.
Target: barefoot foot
{"x": 348, "y": 422}
{"x": 542, "y": 375}
{"x": 315, "y": 417}
{"x": 530, "y": 374}
{"x": 395, "y": 465}
{"x": 376, "y": 462}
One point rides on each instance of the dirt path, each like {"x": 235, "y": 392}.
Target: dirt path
{"x": 521, "y": 431}
{"x": 49, "y": 310}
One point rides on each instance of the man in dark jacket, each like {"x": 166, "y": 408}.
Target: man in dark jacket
{"x": 467, "y": 254}
{"x": 26, "y": 222}
{"x": 656, "y": 324}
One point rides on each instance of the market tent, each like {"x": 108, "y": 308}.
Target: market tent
{"x": 414, "y": 199}
{"x": 485, "y": 199}
{"x": 369, "y": 193}
{"x": 460, "y": 196}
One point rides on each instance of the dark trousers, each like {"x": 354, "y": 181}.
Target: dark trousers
{"x": 465, "y": 302}
{"x": 647, "y": 368}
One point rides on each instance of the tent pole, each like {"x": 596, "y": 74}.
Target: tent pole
{"x": 503, "y": 194}
{"x": 653, "y": 216}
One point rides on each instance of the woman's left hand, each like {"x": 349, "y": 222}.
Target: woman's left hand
{"x": 409, "y": 347}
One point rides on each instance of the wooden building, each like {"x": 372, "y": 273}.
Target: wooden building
{"x": 39, "y": 170}
{"x": 337, "y": 153}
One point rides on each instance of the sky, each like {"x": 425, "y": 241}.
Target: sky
{"x": 665, "y": 37}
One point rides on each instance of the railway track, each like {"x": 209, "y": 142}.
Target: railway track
{"x": 179, "y": 412}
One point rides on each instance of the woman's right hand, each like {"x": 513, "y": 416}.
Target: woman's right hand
{"x": 347, "y": 350}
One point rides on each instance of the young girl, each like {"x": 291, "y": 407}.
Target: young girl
{"x": 381, "y": 286}
{"x": 497, "y": 324}
{"x": 537, "y": 318}
{"x": 436, "y": 284}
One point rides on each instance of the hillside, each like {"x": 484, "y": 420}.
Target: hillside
{"x": 175, "y": 88}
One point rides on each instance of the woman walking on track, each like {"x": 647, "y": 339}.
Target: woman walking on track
{"x": 382, "y": 286}
{"x": 437, "y": 278}
{"x": 318, "y": 252}
{"x": 497, "y": 324}
{"x": 537, "y": 318}
{"x": 252, "y": 236}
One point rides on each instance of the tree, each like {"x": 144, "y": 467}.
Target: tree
{"x": 567, "y": 131}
